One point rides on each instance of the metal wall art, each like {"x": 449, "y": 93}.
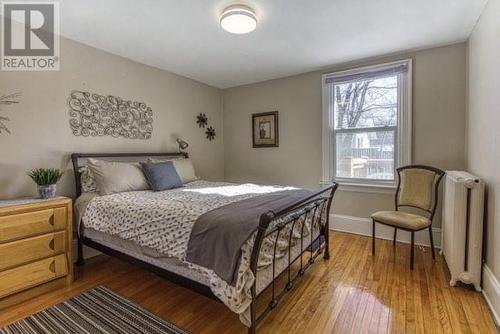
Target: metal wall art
{"x": 98, "y": 115}
{"x": 202, "y": 120}
{"x": 210, "y": 133}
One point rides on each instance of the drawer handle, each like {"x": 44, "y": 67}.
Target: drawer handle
{"x": 51, "y": 244}
{"x": 51, "y": 221}
{"x": 52, "y": 266}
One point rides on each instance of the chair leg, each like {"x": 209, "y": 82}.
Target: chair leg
{"x": 412, "y": 250}
{"x": 394, "y": 239}
{"x": 432, "y": 243}
{"x": 373, "y": 237}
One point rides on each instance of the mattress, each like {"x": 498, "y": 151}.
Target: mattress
{"x": 176, "y": 266}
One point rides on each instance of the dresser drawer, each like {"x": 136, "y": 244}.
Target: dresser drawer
{"x": 29, "y": 275}
{"x": 25, "y": 225}
{"x": 22, "y": 251}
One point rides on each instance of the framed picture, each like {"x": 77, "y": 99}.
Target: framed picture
{"x": 265, "y": 129}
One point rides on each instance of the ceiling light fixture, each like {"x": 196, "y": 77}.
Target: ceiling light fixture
{"x": 238, "y": 19}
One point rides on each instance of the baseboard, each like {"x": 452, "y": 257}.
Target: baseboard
{"x": 87, "y": 251}
{"x": 491, "y": 292}
{"x": 363, "y": 226}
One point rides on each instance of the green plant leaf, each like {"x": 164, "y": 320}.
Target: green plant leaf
{"x": 45, "y": 176}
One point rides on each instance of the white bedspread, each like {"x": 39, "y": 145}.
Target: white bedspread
{"x": 163, "y": 221}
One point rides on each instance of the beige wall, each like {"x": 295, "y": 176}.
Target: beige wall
{"x": 438, "y": 126}
{"x": 483, "y": 136}
{"x": 41, "y": 136}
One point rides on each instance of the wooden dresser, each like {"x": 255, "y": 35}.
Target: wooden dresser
{"x": 35, "y": 248}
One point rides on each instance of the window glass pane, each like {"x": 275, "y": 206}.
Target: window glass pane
{"x": 366, "y": 103}
{"x": 365, "y": 155}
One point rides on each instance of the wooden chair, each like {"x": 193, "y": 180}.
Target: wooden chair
{"x": 417, "y": 188}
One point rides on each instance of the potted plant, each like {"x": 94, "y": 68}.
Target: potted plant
{"x": 46, "y": 179}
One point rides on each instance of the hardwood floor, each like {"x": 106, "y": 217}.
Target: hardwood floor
{"x": 353, "y": 292}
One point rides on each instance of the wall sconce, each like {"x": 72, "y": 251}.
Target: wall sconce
{"x": 182, "y": 144}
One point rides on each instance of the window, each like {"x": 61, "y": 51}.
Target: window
{"x": 367, "y": 124}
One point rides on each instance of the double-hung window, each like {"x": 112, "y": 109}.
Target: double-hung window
{"x": 367, "y": 123}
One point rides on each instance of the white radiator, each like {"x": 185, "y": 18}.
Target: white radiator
{"x": 462, "y": 227}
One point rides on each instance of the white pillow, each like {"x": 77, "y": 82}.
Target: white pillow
{"x": 114, "y": 177}
{"x": 184, "y": 168}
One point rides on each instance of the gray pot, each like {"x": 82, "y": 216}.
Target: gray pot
{"x": 48, "y": 191}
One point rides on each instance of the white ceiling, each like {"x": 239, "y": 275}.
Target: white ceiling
{"x": 292, "y": 36}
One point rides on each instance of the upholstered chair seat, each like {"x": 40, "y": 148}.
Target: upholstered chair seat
{"x": 402, "y": 220}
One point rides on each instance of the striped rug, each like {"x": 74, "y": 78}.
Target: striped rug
{"x": 99, "y": 310}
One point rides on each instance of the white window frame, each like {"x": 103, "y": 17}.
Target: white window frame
{"x": 403, "y": 144}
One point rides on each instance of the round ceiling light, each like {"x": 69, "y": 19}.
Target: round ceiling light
{"x": 238, "y": 19}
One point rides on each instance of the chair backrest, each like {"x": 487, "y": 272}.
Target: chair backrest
{"x": 418, "y": 187}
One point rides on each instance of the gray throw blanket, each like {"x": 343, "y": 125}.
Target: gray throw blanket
{"x": 218, "y": 235}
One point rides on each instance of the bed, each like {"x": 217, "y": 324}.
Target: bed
{"x": 153, "y": 230}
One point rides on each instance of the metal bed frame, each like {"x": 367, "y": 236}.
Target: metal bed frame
{"x": 312, "y": 208}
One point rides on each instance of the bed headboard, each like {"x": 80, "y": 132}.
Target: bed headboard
{"x": 80, "y": 159}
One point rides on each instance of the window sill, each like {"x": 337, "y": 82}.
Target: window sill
{"x": 365, "y": 187}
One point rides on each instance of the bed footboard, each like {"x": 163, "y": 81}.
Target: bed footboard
{"x": 310, "y": 209}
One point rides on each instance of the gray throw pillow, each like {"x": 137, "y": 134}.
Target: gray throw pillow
{"x": 184, "y": 168}
{"x": 161, "y": 176}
